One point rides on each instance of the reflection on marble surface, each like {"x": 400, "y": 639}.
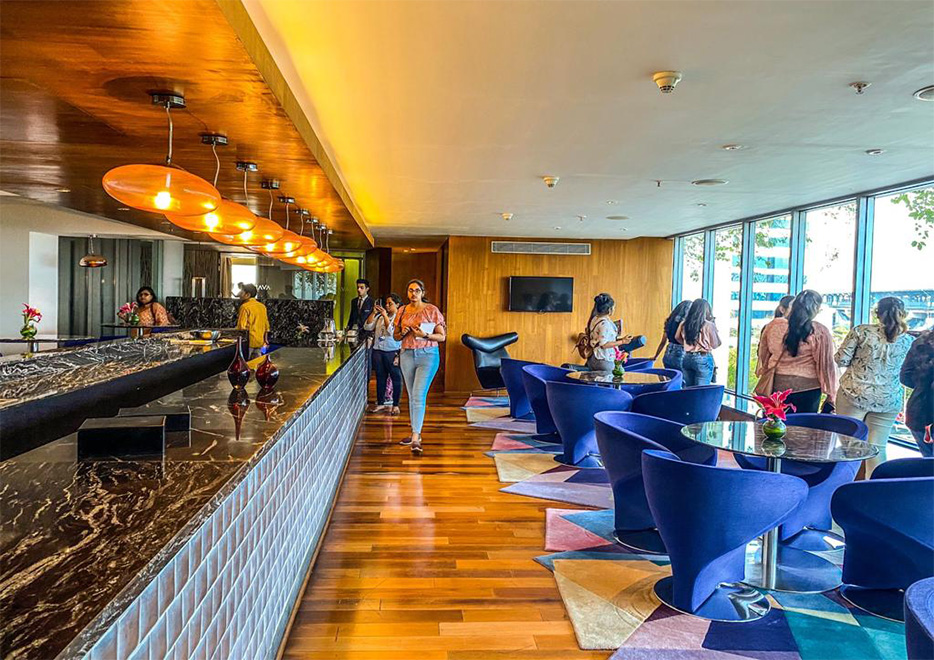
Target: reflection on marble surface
{"x": 74, "y": 534}
{"x": 799, "y": 444}
{"x": 628, "y": 378}
{"x": 286, "y": 317}
{"x": 57, "y": 372}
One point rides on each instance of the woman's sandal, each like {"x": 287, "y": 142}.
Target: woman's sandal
{"x": 406, "y": 441}
{"x": 417, "y": 449}
{"x": 395, "y": 411}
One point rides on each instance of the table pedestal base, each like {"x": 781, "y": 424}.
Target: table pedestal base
{"x": 731, "y": 602}
{"x": 886, "y": 603}
{"x": 794, "y": 570}
{"x": 644, "y": 540}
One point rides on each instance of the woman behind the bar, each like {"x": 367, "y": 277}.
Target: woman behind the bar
{"x": 420, "y": 327}
{"x": 150, "y": 312}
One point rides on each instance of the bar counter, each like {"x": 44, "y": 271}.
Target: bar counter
{"x": 200, "y": 554}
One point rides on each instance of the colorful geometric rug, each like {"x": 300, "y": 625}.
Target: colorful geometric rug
{"x": 562, "y": 483}
{"x": 482, "y": 414}
{"x": 487, "y": 402}
{"x": 507, "y": 424}
{"x": 607, "y": 591}
{"x": 519, "y": 466}
{"x": 517, "y": 442}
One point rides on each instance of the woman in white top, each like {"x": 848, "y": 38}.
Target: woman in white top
{"x": 869, "y": 389}
{"x": 602, "y": 333}
{"x": 385, "y": 352}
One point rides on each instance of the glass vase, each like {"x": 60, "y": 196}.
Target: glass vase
{"x": 267, "y": 374}
{"x": 238, "y": 373}
{"x": 28, "y": 331}
{"x": 618, "y": 370}
{"x": 774, "y": 429}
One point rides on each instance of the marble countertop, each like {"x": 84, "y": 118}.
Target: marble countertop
{"x": 57, "y": 372}
{"x": 76, "y": 535}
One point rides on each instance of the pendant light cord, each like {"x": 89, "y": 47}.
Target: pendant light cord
{"x": 270, "y": 204}
{"x": 168, "y": 114}
{"x": 286, "y": 216}
{"x": 246, "y": 198}
{"x": 217, "y": 170}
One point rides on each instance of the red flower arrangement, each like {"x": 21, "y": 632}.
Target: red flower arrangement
{"x": 774, "y": 406}
{"x": 31, "y": 314}
{"x": 620, "y": 357}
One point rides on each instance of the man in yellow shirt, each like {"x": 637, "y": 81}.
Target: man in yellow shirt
{"x": 253, "y": 319}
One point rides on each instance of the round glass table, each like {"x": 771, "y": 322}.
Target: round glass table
{"x": 773, "y": 566}
{"x": 607, "y": 378}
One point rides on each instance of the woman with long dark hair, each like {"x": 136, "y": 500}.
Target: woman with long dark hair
{"x": 796, "y": 353}
{"x": 385, "y": 352}
{"x": 674, "y": 352}
{"x": 918, "y": 374}
{"x": 602, "y": 333}
{"x": 148, "y": 308}
{"x": 420, "y": 327}
{"x": 873, "y": 354}
{"x": 698, "y": 334}
{"x": 784, "y": 307}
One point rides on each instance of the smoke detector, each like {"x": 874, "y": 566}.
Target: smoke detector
{"x": 666, "y": 80}
{"x": 550, "y": 181}
{"x": 860, "y": 86}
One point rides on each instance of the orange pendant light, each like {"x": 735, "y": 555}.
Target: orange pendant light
{"x": 162, "y": 188}
{"x": 228, "y": 218}
{"x": 265, "y": 231}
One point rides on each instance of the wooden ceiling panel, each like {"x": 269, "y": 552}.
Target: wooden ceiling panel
{"x": 75, "y": 79}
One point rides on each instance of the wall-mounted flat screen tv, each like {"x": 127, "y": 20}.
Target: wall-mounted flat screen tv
{"x": 541, "y": 294}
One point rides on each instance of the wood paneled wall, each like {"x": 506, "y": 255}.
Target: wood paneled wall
{"x": 637, "y": 273}
{"x": 416, "y": 265}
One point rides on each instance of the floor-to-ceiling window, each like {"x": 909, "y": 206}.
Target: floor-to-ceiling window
{"x": 829, "y": 251}
{"x": 692, "y": 274}
{"x": 724, "y": 299}
{"x": 903, "y": 253}
{"x": 770, "y": 279}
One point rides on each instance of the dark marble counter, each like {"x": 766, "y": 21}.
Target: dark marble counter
{"x": 75, "y": 536}
{"x": 57, "y": 372}
{"x": 291, "y": 322}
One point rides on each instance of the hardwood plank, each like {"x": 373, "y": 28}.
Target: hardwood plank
{"x": 426, "y": 557}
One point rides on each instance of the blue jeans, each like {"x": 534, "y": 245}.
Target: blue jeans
{"x": 419, "y": 366}
{"x": 673, "y": 357}
{"x": 926, "y": 449}
{"x": 697, "y": 369}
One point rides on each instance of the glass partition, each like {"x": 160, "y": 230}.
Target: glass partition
{"x": 724, "y": 300}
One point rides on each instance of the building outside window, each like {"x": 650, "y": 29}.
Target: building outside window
{"x": 725, "y": 301}
{"x": 770, "y": 279}
{"x": 829, "y": 253}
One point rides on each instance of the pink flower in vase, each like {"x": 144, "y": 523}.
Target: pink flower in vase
{"x": 774, "y": 406}
{"x": 620, "y": 357}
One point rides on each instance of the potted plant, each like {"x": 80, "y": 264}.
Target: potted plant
{"x": 774, "y": 409}
{"x": 619, "y": 362}
{"x": 31, "y": 316}
{"x": 128, "y": 313}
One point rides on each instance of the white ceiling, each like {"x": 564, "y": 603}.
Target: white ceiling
{"x": 440, "y": 115}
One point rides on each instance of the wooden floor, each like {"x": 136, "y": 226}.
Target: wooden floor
{"x": 426, "y": 560}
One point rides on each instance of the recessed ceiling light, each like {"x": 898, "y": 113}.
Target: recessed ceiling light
{"x": 506, "y": 216}
{"x": 875, "y": 152}
{"x": 733, "y": 147}
{"x": 925, "y": 93}
{"x": 617, "y": 217}
{"x": 709, "y": 182}
{"x": 123, "y": 208}
{"x": 611, "y": 201}
{"x": 63, "y": 190}
{"x": 701, "y": 204}
{"x": 557, "y": 228}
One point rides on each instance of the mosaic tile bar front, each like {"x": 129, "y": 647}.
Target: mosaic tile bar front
{"x": 228, "y": 592}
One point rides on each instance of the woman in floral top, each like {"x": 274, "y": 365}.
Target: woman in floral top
{"x": 872, "y": 355}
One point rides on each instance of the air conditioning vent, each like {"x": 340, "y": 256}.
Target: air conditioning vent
{"x": 517, "y": 247}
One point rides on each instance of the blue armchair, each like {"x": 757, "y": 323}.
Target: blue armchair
{"x": 706, "y": 521}
{"x": 889, "y": 536}
{"x": 690, "y": 406}
{"x": 621, "y": 438}
{"x": 534, "y": 377}
{"x": 919, "y": 620}
{"x": 573, "y": 407}
{"x": 511, "y": 371}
